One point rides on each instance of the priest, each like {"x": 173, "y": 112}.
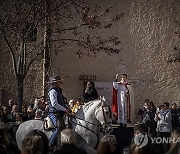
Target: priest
{"x": 121, "y": 101}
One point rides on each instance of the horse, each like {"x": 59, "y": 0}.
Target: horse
{"x": 90, "y": 123}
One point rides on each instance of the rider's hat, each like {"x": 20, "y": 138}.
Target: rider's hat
{"x": 54, "y": 79}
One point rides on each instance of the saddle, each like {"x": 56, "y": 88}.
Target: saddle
{"x": 48, "y": 124}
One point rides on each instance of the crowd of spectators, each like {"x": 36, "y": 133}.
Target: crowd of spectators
{"x": 36, "y": 110}
{"x": 12, "y": 118}
{"x": 161, "y": 121}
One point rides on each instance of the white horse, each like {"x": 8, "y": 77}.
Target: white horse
{"x": 87, "y": 122}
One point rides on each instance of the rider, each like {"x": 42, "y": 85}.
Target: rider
{"x": 57, "y": 106}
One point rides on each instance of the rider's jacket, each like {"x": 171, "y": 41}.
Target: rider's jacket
{"x": 56, "y": 101}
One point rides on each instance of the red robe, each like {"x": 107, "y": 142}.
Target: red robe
{"x": 115, "y": 104}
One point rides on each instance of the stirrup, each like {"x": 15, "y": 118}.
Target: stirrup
{"x": 52, "y": 148}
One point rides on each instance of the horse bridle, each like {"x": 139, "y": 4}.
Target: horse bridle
{"x": 105, "y": 121}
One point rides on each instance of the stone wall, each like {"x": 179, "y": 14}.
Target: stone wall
{"x": 151, "y": 27}
{"x": 147, "y": 34}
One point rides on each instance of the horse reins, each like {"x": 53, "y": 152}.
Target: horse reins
{"x": 104, "y": 114}
{"x": 78, "y": 123}
{"x": 85, "y": 120}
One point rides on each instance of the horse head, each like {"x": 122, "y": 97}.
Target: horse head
{"x": 104, "y": 115}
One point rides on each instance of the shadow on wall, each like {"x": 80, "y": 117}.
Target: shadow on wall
{"x": 5, "y": 96}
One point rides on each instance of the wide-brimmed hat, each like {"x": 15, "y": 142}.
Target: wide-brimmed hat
{"x": 54, "y": 79}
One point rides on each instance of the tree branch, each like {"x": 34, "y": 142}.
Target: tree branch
{"x": 89, "y": 45}
{"x": 72, "y": 28}
{"x": 20, "y": 60}
{"x": 9, "y": 11}
{"x": 31, "y": 28}
{"x": 12, "y": 53}
{"x": 32, "y": 60}
{"x": 24, "y": 57}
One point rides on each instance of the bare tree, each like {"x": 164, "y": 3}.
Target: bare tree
{"x": 84, "y": 24}
{"x": 20, "y": 21}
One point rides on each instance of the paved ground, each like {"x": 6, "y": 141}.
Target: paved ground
{"x": 124, "y": 137}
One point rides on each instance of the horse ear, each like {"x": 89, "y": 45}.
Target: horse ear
{"x": 103, "y": 100}
{"x": 100, "y": 98}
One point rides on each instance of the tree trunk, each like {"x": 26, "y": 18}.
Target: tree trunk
{"x": 20, "y": 93}
{"x": 46, "y": 58}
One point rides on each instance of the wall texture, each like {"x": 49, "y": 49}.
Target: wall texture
{"x": 147, "y": 34}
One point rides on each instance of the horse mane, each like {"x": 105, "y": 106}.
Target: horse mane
{"x": 89, "y": 104}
